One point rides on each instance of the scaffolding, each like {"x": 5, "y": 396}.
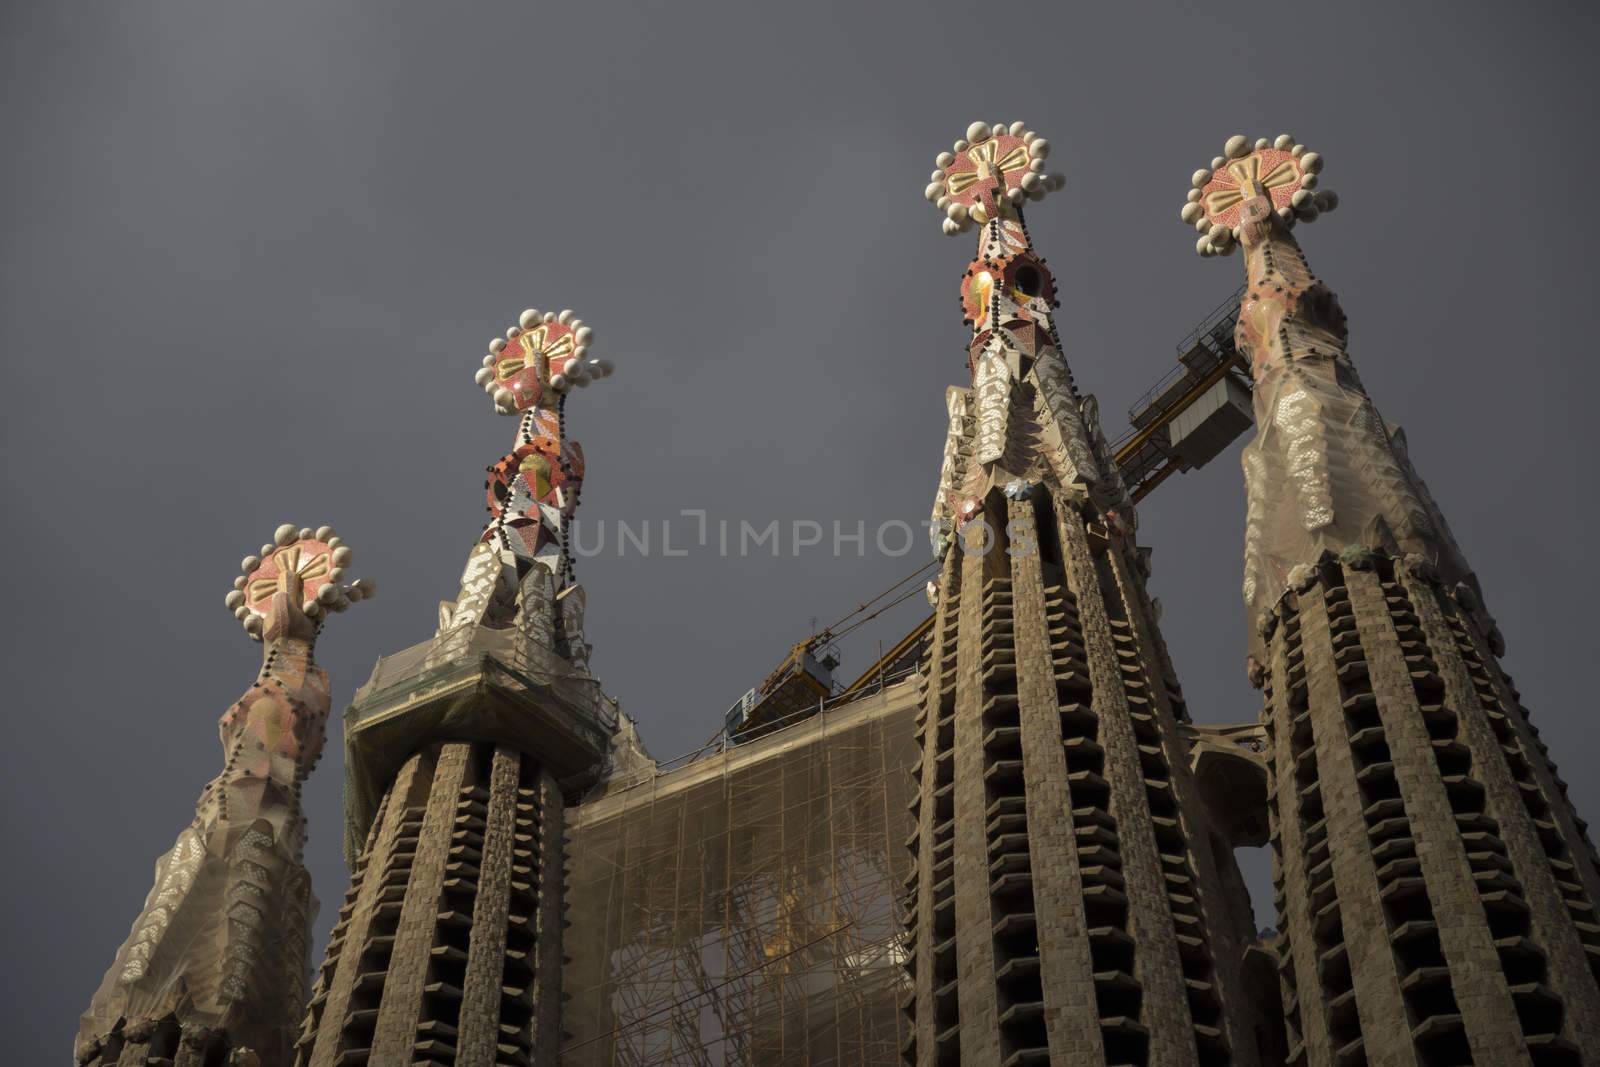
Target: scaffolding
{"x": 1195, "y": 411}
{"x": 741, "y": 908}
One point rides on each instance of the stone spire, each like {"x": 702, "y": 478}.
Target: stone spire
{"x": 1068, "y": 904}
{"x": 215, "y": 969}
{"x": 1436, "y": 892}
{"x": 1022, "y": 423}
{"x": 1325, "y": 472}
{"x": 459, "y": 754}
{"x": 520, "y": 573}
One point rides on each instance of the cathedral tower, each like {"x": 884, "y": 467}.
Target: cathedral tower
{"x": 458, "y": 753}
{"x": 214, "y": 971}
{"x": 1067, "y": 904}
{"x": 1436, "y": 893}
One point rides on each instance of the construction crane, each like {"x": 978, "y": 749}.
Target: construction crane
{"x": 1182, "y": 422}
{"x": 804, "y": 680}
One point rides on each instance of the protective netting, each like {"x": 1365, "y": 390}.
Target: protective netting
{"x": 222, "y": 939}
{"x": 1326, "y": 473}
{"x": 743, "y": 909}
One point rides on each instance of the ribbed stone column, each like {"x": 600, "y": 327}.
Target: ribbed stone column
{"x": 1350, "y": 952}
{"x": 1166, "y": 1019}
{"x": 340, "y": 1014}
{"x": 931, "y": 845}
{"x": 974, "y": 914}
{"x": 1453, "y": 921}
{"x": 395, "y": 1031}
{"x": 1477, "y": 982}
{"x": 449, "y": 948}
{"x": 1299, "y": 840}
{"x": 1569, "y": 975}
{"x": 545, "y": 867}
{"x": 1065, "y": 963}
{"x": 486, "y": 951}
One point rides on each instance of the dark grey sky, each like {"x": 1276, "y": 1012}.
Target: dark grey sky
{"x": 252, "y": 254}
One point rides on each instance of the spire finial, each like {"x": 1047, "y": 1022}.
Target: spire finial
{"x": 991, "y": 169}
{"x": 538, "y": 360}
{"x": 307, "y": 567}
{"x": 1284, "y": 172}
{"x": 533, "y": 490}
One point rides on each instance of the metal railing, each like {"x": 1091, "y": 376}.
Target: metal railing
{"x": 1217, "y": 329}
{"x": 407, "y": 677}
{"x": 721, "y": 742}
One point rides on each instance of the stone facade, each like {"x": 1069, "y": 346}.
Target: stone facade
{"x": 1070, "y": 895}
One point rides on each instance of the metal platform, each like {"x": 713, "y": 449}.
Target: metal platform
{"x": 800, "y": 684}
{"x": 1195, "y": 411}
{"x": 489, "y": 694}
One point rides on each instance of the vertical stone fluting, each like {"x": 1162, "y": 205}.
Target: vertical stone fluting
{"x": 395, "y": 1031}
{"x": 1512, "y": 789}
{"x": 1166, "y": 1020}
{"x": 1299, "y": 841}
{"x": 1065, "y": 965}
{"x": 486, "y": 953}
{"x": 1441, "y": 935}
{"x": 1196, "y": 890}
{"x": 544, "y": 868}
{"x": 343, "y": 1023}
{"x": 1561, "y": 833}
{"x": 1483, "y": 1003}
{"x": 930, "y": 932}
{"x": 974, "y": 912}
{"x": 449, "y": 949}
{"x": 1351, "y": 947}
{"x": 1564, "y": 976}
